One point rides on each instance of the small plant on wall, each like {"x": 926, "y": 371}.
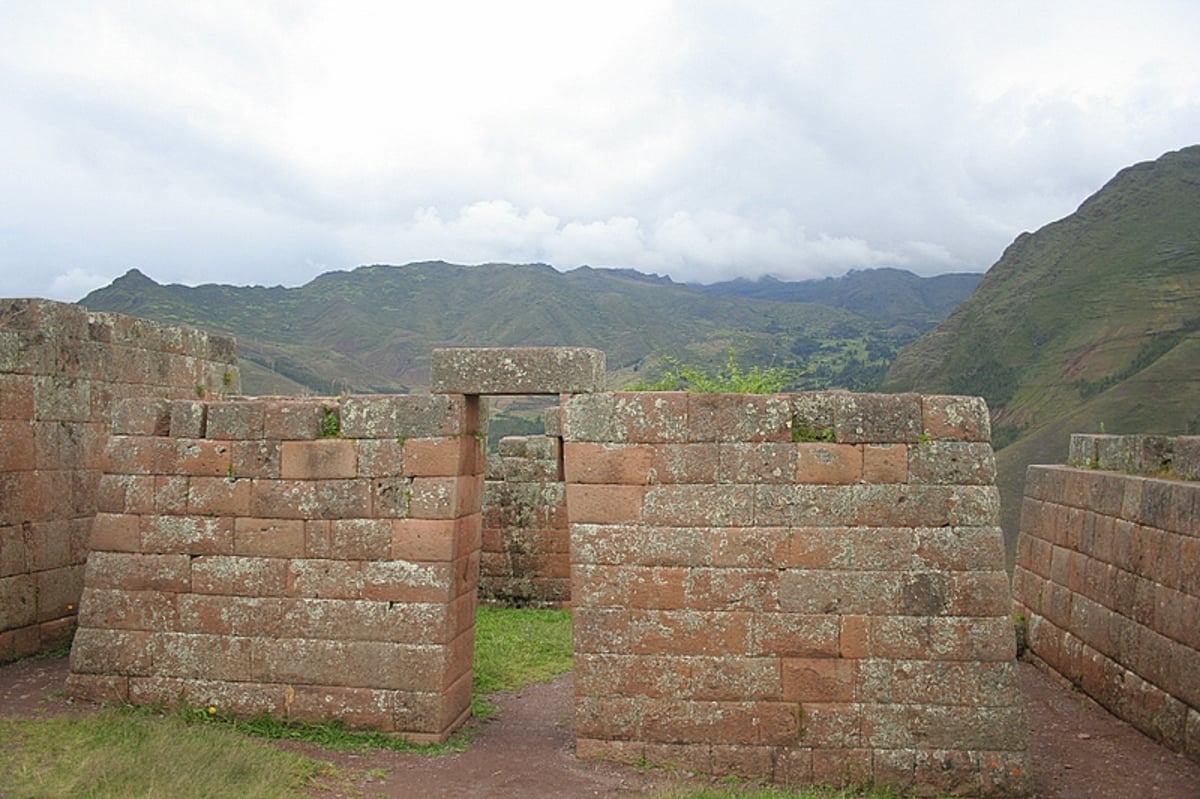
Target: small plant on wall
{"x": 331, "y": 426}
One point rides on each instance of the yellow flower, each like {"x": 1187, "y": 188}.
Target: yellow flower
{"x": 212, "y": 710}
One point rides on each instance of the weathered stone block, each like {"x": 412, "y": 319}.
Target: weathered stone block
{"x": 142, "y": 418}
{"x": 745, "y": 418}
{"x": 297, "y": 419}
{"x": 188, "y": 419}
{"x": 238, "y": 575}
{"x": 956, "y": 418}
{"x": 951, "y": 463}
{"x": 517, "y": 370}
{"x": 324, "y": 459}
{"x": 876, "y": 418}
{"x": 16, "y": 396}
{"x": 239, "y": 421}
{"x": 407, "y": 416}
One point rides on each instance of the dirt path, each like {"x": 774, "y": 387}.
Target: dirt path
{"x": 1079, "y": 750}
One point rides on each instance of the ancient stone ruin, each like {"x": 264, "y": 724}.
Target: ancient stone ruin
{"x": 804, "y": 587}
{"x": 62, "y": 371}
{"x": 1108, "y": 578}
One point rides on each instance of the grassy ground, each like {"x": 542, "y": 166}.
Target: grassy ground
{"x": 123, "y": 754}
{"x": 515, "y": 647}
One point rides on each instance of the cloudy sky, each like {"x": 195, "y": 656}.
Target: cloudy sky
{"x": 265, "y": 143}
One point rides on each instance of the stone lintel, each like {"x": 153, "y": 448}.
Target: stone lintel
{"x": 517, "y": 370}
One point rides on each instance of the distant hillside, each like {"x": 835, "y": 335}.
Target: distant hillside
{"x": 1092, "y": 323}
{"x": 893, "y": 294}
{"x": 373, "y": 329}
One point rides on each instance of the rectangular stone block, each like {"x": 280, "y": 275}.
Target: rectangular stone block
{"x": 604, "y": 504}
{"x": 236, "y": 420}
{"x": 433, "y": 539}
{"x": 517, "y": 370}
{"x": 744, "y": 418}
{"x": 197, "y": 535}
{"x": 951, "y": 463}
{"x": 299, "y": 420}
{"x": 956, "y": 418}
{"x": 137, "y": 572}
{"x": 142, "y": 417}
{"x": 408, "y": 416}
{"x": 218, "y": 496}
{"x": 18, "y": 601}
{"x": 116, "y": 532}
{"x": 831, "y": 464}
{"x": 311, "y": 499}
{"x": 256, "y": 458}
{"x": 324, "y": 459}
{"x": 637, "y": 544}
{"x": 199, "y": 656}
{"x": 119, "y": 609}
{"x": 188, "y": 456}
{"x": 110, "y": 651}
{"x": 239, "y": 575}
{"x": 819, "y": 679}
{"x": 60, "y": 398}
{"x": 189, "y": 419}
{"x": 877, "y": 418}
{"x": 693, "y": 505}
{"x": 444, "y": 497}
{"x": 219, "y": 614}
{"x": 16, "y": 396}
{"x": 655, "y": 587}
{"x": 412, "y": 581}
{"x": 281, "y": 538}
{"x": 439, "y": 457}
{"x": 325, "y": 579}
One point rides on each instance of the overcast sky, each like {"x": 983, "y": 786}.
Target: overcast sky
{"x": 267, "y": 142}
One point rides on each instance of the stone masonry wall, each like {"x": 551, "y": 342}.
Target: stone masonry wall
{"x": 307, "y": 558}
{"x": 526, "y": 552}
{"x": 62, "y": 368}
{"x": 808, "y": 587}
{"x": 1108, "y": 578}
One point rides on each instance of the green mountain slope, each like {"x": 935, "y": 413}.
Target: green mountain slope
{"x": 895, "y": 294}
{"x": 373, "y": 329}
{"x": 1092, "y": 322}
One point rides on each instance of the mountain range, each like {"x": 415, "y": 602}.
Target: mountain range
{"x": 372, "y": 329}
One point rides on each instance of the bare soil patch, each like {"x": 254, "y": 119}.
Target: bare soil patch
{"x": 1079, "y": 750}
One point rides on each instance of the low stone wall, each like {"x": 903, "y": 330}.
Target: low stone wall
{"x": 62, "y": 368}
{"x": 1108, "y": 578}
{"x": 526, "y": 558}
{"x": 808, "y": 588}
{"x": 309, "y": 558}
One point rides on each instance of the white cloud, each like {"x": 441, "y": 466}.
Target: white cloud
{"x": 75, "y": 283}
{"x": 260, "y": 143}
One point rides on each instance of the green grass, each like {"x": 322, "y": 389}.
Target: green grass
{"x": 117, "y": 754}
{"x": 516, "y": 647}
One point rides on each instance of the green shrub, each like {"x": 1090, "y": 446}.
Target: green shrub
{"x": 733, "y": 379}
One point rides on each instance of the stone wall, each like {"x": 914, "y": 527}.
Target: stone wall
{"x": 307, "y": 558}
{"x": 1108, "y": 578}
{"x": 526, "y": 554}
{"x": 809, "y": 588}
{"x": 62, "y": 369}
